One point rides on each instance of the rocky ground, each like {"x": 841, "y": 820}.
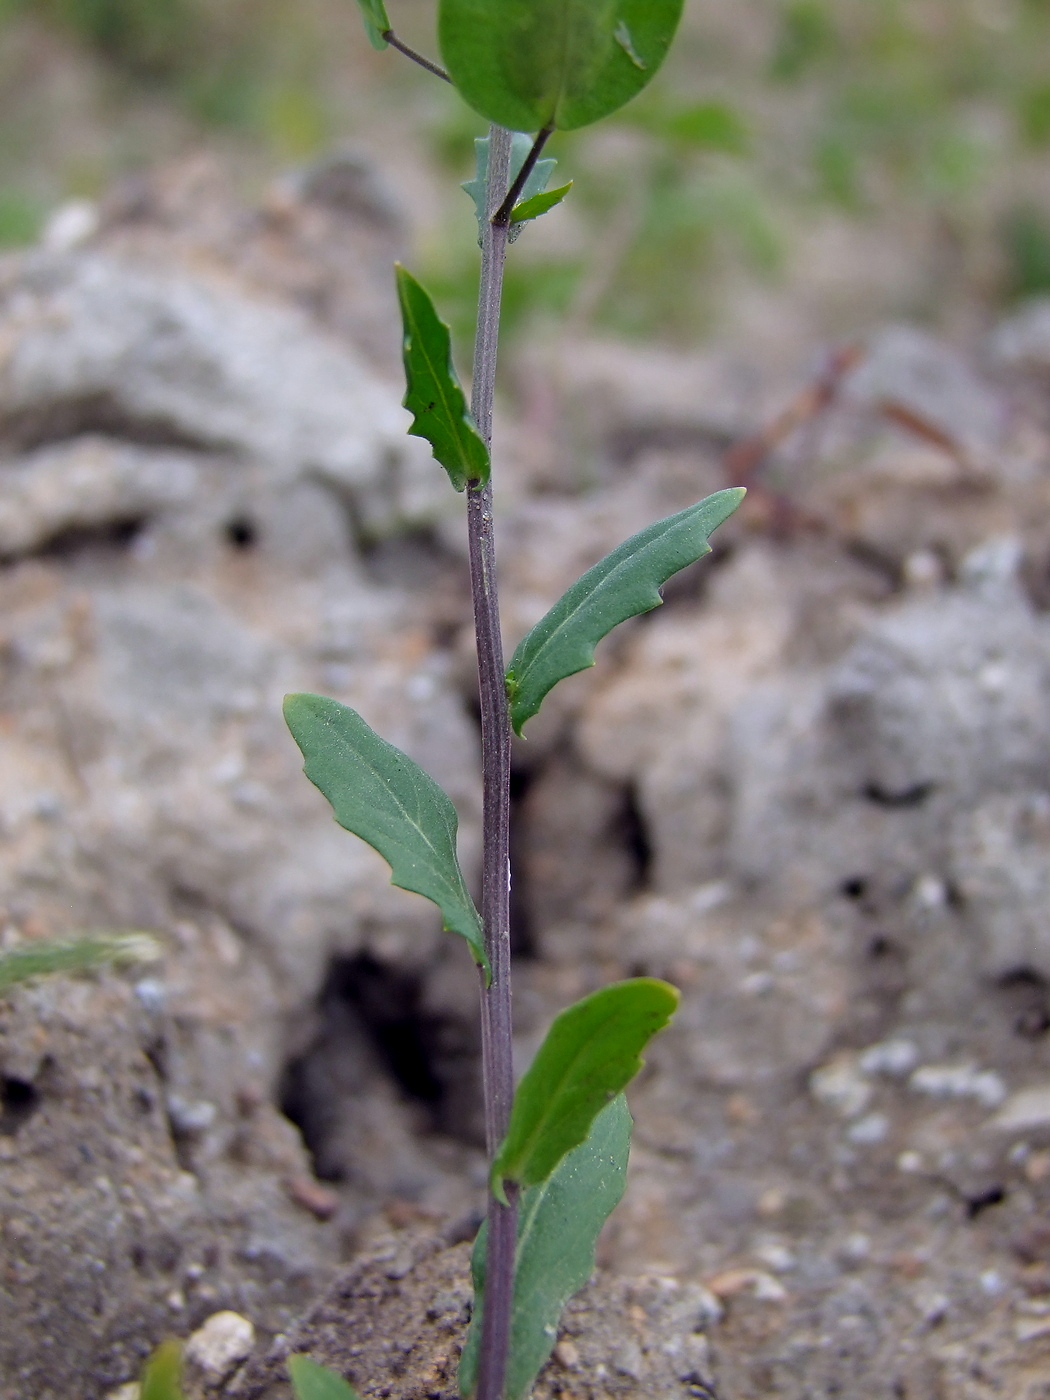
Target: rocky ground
{"x": 813, "y": 790}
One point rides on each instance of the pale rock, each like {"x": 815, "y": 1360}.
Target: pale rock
{"x": 1024, "y": 1110}
{"x": 225, "y": 1339}
{"x": 959, "y": 1082}
{"x": 841, "y": 1086}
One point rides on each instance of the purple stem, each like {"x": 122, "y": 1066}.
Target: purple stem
{"x": 497, "y": 1065}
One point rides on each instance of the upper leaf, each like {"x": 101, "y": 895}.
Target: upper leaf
{"x": 533, "y": 64}
{"x": 623, "y": 584}
{"x": 591, "y": 1052}
{"x": 74, "y": 955}
{"x": 558, "y": 1225}
{"x": 381, "y": 795}
{"x": 535, "y": 184}
{"x": 312, "y": 1381}
{"x": 538, "y": 204}
{"x": 434, "y": 394}
{"x": 376, "y": 23}
{"x": 162, "y": 1375}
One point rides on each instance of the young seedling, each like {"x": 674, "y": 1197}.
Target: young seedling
{"x": 558, "y": 1146}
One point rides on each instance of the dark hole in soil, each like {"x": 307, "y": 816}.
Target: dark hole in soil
{"x": 112, "y": 536}
{"x": 372, "y": 1021}
{"x": 19, "y": 1100}
{"x": 913, "y": 796}
{"x": 856, "y": 887}
{"x": 1027, "y": 998}
{"x": 880, "y": 947}
{"x": 387, "y": 1003}
{"x": 241, "y": 532}
{"x": 93, "y": 414}
{"x": 994, "y": 1196}
{"x": 635, "y": 837}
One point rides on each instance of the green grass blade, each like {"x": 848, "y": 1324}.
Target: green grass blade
{"x": 311, "y": 1381}
{"x": 373, "y": 12}
{"x": 558, "y": 1226}
{"x": 538, "y": 204}
{"x": 381, "y": 795}
{"x": 592, "y": 1051}
{"x": 37, "y": 959}
{"x": 162, "y": 1376}
{"x": 434, "y": 395}
{"x": 623, "y": 584}
{"x": 530, "y": 64}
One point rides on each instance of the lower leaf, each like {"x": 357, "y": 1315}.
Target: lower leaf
{"x": 312, "y": 1381}
{"x": 558, "y": 1226}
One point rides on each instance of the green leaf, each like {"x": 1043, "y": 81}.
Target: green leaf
{"x": 379, "y": 794}
{"x": 373, "y": 12}
{"x": 74, "y": 955}
{"x": 311, "y": 1381}
{"x": 434, "y": 394}
{"x": 623, "y": 584}
{"x": 538, "y": 204}
{"x": 592, "y": 1051}
{"x": 537, "y": 181}
{"x": 533, "y": 64}
{"x": 558, "y": 1226}
{"x": 162, "y": 1375}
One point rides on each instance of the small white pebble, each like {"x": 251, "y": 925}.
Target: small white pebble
{"x": 70, "y": 225}
{"x": 870, "y": 1129}
{"x": 930, "y": 892}
{"x": 707, "y": 897}
{"x": 856, "y": 1247}
{"x": 151, "y": 993}
{"x": 892, "y": 1057}
{"x": 991, "y": 1282}
{"x": 130, "y": 1390}
{"x": 841, "y": 1086}
{"x": 220, "y": 1343}
{"x": 959, "y": 1082}
{"x": 777, "y": 1256}
{"x": 567, "y": 1355}
{"x": 191, "y": 1115}
{"x": 1025, "y": 1110}
{"x": 909, "y": 1162}
{"x": 1028, "y": 1329}
{"x": 932, "y": 1306}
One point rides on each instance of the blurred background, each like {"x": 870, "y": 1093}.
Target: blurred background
{"x": 846, "y": 159}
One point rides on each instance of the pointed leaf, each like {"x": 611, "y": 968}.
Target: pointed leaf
{"x": 162, "y": 1376}
{"x": 592, "y": 1051}
{"x": 558, "y": 1226}
{"x": 532, "y": 64}
{"x": 434, "y": 394}
{"x": 74, "y": 955}
{"x": 379, "y": 794}
{"x": 373, "y": 12}
{"x": 311, "y": 1381}
{"x": 536, "y": 183}
{"x": 623, "y": 584}
{"x": 538, "y": 204}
